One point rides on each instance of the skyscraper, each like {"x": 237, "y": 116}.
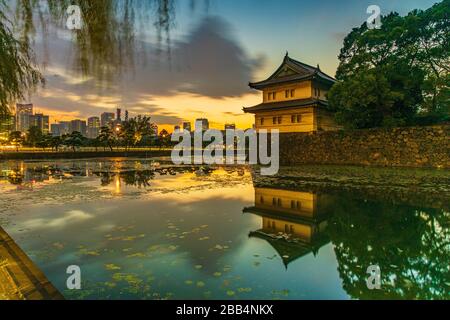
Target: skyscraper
{"x": 230, "y": 126}
{"x": 7, "y": 125}
{"x": 93, "y": 127}
{"x": 60, "y": 129}
{"x": 55, "y": 130}
{"x": 202, "y": 124}
{"x": 78, "y": 126}
{"x": 126, "y": 115}
{"x": 64, "y": 127}
{"x": 23, "y": 114}
{"x": 40, "y": 121}
{"x": 119, "y": 115}
{"x": 187, "y": 126}
{"x": 106, "y": 119}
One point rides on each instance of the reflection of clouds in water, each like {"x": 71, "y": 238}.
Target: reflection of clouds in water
{"x": 73, "y": 216}
{"x": 105, "y": 227}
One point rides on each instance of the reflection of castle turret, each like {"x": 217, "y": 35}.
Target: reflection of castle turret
{"x": 293, "y": 222}
{"x": 20, "y": 278}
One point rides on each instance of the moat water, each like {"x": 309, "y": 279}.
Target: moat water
{"x": 141, "y": 229}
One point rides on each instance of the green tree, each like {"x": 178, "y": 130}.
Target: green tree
{"x": 96, "y": 143}
{"x": 45, "y": 141}
{"x": 56, "y": 142}
{"x": 16, "y": 139}
{"x": 163, "y": 139}
{"x": 106, "y": 137}
{"x": 407, "y": 59}
{"x": 75, "y": 140}
{"x": 34, "y": 135}
{"x": 136, "y": 129}
{"x": 375, "y": 98}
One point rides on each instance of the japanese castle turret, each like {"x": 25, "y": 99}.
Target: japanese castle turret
{"x": 294, "y": 99}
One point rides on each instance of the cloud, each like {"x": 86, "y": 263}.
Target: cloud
{"x": 212, "y": 63}
{"x": 233, "y": 114}
{"x": 69, "y": 218}
{"x": 207, "y": 62}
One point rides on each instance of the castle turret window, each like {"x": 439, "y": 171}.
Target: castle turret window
{"x": 296, "y": 118}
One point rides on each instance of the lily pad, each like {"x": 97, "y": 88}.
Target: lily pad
{"x": 230, "y": 293}
{"x": 112, "y": 267}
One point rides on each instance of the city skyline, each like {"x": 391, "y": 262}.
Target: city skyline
{"x": 186, "y": 87}
{"x": 25, "y": 117}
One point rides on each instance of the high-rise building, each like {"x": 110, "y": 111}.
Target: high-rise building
{"x": 23, "y": 114}
{"x": 40, "y": 121}
{"x": 7, "y": 125}
{"x": 126, "y": 115}
{"x": 60, "y": 129}
{"x": 187, "y": 126}
{"x": 64, "y": 127}
{"x": 202, "y": 124}
{"x": 119, "y": 115}
{"x": 55, "y": 130}
{"x": 78, "y": 126}
{"x": 230, "y": 126}
{"x": 93, "y": 127}
{"x": 106, "y": 119}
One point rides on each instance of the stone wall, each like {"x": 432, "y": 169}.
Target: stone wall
{"x": 399, "y": 147}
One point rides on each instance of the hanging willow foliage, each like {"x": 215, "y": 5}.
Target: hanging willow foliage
{"x": 103, "y": 47}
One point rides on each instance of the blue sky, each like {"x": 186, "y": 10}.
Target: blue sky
{"x": 311, "y": 30}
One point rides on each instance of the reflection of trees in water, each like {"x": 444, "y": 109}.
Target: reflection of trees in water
{"x": 107, "y": 40}
{"x": 15, "y": 177}
{"x": 132, "y": 177}
{"x": 139, "y": 179}
{"x": 412, "y": 247}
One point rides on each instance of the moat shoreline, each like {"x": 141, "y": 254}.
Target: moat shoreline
{"x": 82, "y": 155}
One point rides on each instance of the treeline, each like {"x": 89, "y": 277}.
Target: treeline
{"x": 397, "y": 75}
{"x": 136, "y": 132}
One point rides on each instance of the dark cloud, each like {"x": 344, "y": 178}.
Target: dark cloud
{"x": 234, "y": 114}
{"x": 209, "y": 62}
{"x": 212, "y": 63}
